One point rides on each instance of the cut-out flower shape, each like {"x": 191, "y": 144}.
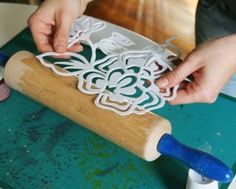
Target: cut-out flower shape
{"x": 123, "y": 80}
{"x": 130, "y": 84}
{"x": 123, "y": 83}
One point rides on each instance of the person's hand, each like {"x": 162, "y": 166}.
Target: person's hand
{"x": 211, "y": 65}
{"x": 51, "y": 22}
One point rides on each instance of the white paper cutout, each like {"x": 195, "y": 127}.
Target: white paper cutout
{"x": 124, "y": 80}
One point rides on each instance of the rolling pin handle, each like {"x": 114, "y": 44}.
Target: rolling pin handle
{"x": 203, "y": 163}
{"x": 3, "y": 59}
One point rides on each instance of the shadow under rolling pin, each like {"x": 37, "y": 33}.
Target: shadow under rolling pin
{"x": 20, "y": 73}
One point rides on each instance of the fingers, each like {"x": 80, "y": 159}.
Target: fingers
{"x": 76, "y": 48}
{"x": 183, "y": 97}
{"x": 193, "y": 93}
{"x": 177, "y": 75}
{"x": 64, "y": 22}
{"x": 41, "y": 33}
{"x": 50, "y": 24}
{"x": 61, "y": 36}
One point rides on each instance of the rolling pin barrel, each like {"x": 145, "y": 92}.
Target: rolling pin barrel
{"x": 137, "y": 134}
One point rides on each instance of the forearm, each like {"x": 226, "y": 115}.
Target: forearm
{"x": 233, "y": 50}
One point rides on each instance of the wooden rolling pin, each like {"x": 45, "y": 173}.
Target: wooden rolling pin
{"x": 147, "y": 136}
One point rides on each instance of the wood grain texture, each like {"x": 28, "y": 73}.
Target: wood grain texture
{"x": 155, "y": 19}
{"x": 138, "y": 134}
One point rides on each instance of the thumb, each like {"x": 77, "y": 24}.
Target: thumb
{"x": 62, "y": 31}
{"x": 177, "y": 75}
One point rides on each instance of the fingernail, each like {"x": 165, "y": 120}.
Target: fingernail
{"x": 81, "y": 48}
{"x": 162, "y": 82}
{"x": 60, "y": 48}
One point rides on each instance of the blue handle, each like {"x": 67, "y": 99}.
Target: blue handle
{"x": 203, "y": 163}
{"x": 3, "y": 59}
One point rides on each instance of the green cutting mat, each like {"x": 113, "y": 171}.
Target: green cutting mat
{"x": 44, "y": 150}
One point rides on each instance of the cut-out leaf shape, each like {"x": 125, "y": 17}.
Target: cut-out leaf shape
{"x": 83, "y": 28}
{"x": 115, "y": 44}
{"x": 121, "y": 39}
{"x": 108, "y": 46}
{"x": 157, "y": 48}
{"x": 72, "y": 67}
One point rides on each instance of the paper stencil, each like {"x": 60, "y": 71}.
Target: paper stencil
{"x": 124, "y": 79}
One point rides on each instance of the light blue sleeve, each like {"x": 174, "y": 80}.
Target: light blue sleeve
{"x": 230, "y": 87}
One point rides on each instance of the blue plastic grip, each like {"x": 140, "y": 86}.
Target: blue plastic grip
{"x": 3, "y": 59}
{"x": 203, "y": 163}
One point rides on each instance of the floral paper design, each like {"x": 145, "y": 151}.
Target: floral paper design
{"x": 124, "y": 79}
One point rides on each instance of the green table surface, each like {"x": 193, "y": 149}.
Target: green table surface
{"x": 42, "y": 149}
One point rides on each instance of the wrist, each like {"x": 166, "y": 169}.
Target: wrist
{"x": 231, "y": 42}
{"x": 234, "y": 38}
